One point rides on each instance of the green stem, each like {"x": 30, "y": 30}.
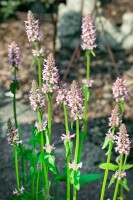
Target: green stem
{"x": 42, "y": 150}
{"x": 16, "y": 169}
{"x": 88, "y": 65}
{"x": 39, "y": 66}
{"x": 76, "y": 154}
{"x": 32, "y": 187}
{"x": 67, "y": 158}
{"x": 86, "y": 101}
{"x": 37, "y": 185}
{"x": 106, "y": 173}
{"x": 118, "y": 181}
{"x": 107, "y": 168}
{"x": 49, "y": 117}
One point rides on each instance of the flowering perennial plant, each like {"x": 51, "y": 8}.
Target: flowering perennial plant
{"x": 42, "y": 170}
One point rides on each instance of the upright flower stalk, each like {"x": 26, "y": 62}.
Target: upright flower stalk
{"x": 88, "y": 36}
{"x": 119, "y": 93}
{"x": 14, "y": 62}
{"x": 14, "y": 140}
{"x": 75, "y": 102}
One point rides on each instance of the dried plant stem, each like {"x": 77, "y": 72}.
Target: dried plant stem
{"x": 16, "y": 169}
{"x": 67, "y": 158}
{"x": 39, "y": 66}
{"x": 42, "y": 151}
{"x": 76, "y": 154}
{"x": 118, "y": 181}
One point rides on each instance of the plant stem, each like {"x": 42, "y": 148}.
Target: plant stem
{"x": 107, "y": 168}
{"x": 42, "y": 150}
{"x": 118, "y": 181}
{"x": 76, "y": 154}
{"x": 39, "y": 66}
{"x": 67, "y": 158}
{"x": 37, "y": 185}
{"x": 16, "y": 169}
{"x": 88, "y": 65}
{"x": 49, "y": 117}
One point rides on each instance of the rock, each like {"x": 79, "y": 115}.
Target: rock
{"x": 127, "y": 25}
{"x": 127, "y": 42}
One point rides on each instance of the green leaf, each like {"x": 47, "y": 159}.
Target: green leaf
{"x": 121, "y": 104}
{"x": 128, "y": 166}
{"x": 123, "y": 182}
{"x": 60, "y": 177}
{"x": 75, "y": 178}
{"x": 111, "y": 166}
{"x": 50, "y": 162}
{"x": 106, "y": 142}
{"x": 111, "y": 181}
{"x": 93, "y": 53}
{"x": 14, "y": 86}
{"x": 87, "y": 178}
{"x": 33, "y": 61}
{"x": 41, "y": 158}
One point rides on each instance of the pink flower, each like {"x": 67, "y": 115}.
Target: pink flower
{"x": 62, "y": 95}
{"x": 119, "y": 176}
{"x": 114, "y": 120}
{"x": 48, "y": 148}
{"x": 119, "y": 90}
{"x": 75, "y": 101}
{"x": 13, "y": 135}
{"x": 88, "y": 33}
{"x": 14, "y": 54}
{"x": 32, "y": 28}
{"x": 87, "y": 83}
{"x": 110, "y": 136}
{"x": 50, "y": 75}
{"x": 41, "y": 127}
{"x": 75, "y": 167}
{"x": 67, "y": 137}
{"x": 36, "y": 97}
{"x": 122, "y": 141}
{"x": 37, "y": 53}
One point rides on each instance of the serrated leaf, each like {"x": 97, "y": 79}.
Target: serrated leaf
{"x": 106, "y": 142}
{"x": 111, "y": 166}
{"x": 127, "y": 166}
{"x": 50, "y": 162}
{"x": 111, "y": 181}
{"x": 68, "y": 146}
{"x": 60, "y": 177}
{"x": 87, "y": 178}
{"x": 14, "y": 86}
{"x": 123, "y": 182}
{"x": 41, "y": 158}
{"x": 33, "y": 61}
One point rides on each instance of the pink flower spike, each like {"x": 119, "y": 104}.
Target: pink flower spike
{"x": 50, "y": 75}
{"x": 75, "y": 167}
{"x": 119, "y": 90}
{"x": 110, "y": 136}
{"x": 87, "y": 83}
{"x": 48, "y": 148}
{"x": 114, "y": 120}
{"x": 67, "y": 137}
{"x": 88, "y": 33}
{"x": 75, "y": 101}
{"x": 62, "y": 95}
{"x": 14, "y": 55}
{"x": 36, "y": 97}
{"x": 13, "y": 135}
{"x": 122, "y": 141}
{"x": 32, "y": 28}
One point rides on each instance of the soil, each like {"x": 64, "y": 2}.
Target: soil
{"x": 101, "y": 102}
